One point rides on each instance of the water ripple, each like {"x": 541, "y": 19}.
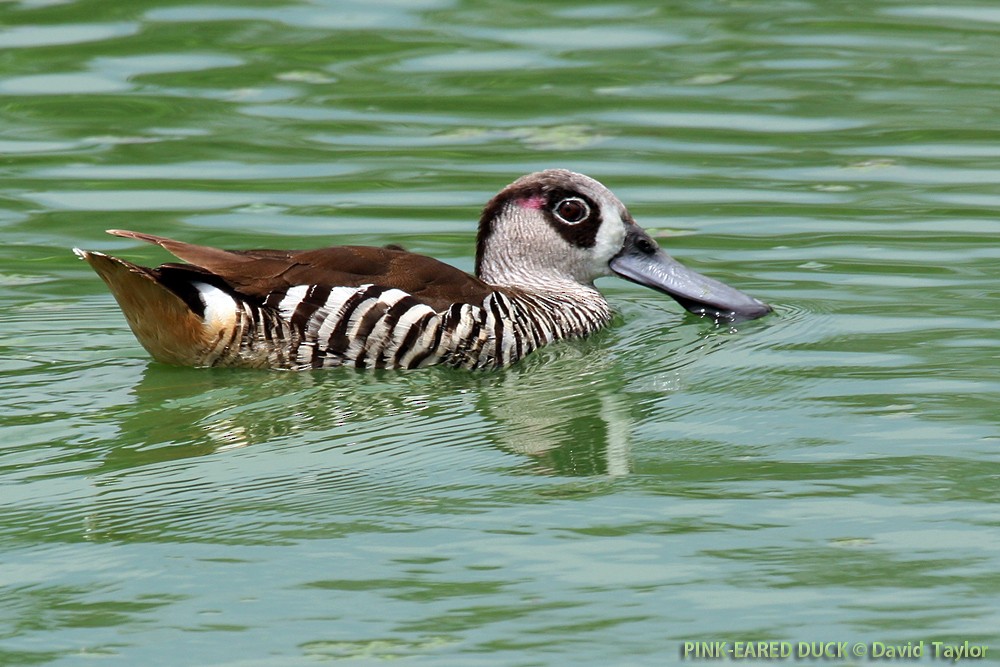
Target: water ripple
{"x": 33, "y": 36}
{"x": 835, "y": 159}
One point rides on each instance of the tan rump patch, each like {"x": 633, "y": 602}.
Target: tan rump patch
{"x": 160, "y": 320}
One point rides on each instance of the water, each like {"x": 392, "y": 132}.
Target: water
{"x": 827, "y": 473}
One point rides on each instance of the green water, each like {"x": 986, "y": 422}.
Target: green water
{"x": 827, "y": 473}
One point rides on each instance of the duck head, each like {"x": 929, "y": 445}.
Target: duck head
{"x": 556, "y": 227}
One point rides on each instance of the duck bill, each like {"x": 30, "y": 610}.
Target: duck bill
{"x": 643, "y": 262}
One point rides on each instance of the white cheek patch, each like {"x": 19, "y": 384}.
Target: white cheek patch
{"x": 609, "y": 240}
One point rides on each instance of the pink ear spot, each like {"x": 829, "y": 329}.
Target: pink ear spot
{"x": 532, "y": 202}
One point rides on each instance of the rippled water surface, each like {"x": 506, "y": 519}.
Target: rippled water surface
{"x": 827, "y": 473}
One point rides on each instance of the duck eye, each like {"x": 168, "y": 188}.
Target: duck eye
{"x": 572, "y": 210}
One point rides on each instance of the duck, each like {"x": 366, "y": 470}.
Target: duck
{"x": 541, "y": 244}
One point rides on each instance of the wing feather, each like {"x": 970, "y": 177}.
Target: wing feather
{"x": 258, "y": 273}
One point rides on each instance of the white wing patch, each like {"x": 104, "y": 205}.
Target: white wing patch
{"x": 220, "y": 308}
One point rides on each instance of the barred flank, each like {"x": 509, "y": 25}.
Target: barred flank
{"x": 312, "y": 326}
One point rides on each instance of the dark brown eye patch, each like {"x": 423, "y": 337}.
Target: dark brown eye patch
{"x": 572, "y": 210}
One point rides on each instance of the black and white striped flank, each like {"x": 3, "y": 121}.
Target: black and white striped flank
{"x": 314, "y": 326}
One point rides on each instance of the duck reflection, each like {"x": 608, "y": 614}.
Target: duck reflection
{"x": 569, "y": 417}
{"x": 565, "y": 411}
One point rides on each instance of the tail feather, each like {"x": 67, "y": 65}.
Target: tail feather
{"x": 165, "y": 325}
{"x": 199, "y": 255}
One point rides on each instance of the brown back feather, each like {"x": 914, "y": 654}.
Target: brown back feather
{"x": 257, "y": 273}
